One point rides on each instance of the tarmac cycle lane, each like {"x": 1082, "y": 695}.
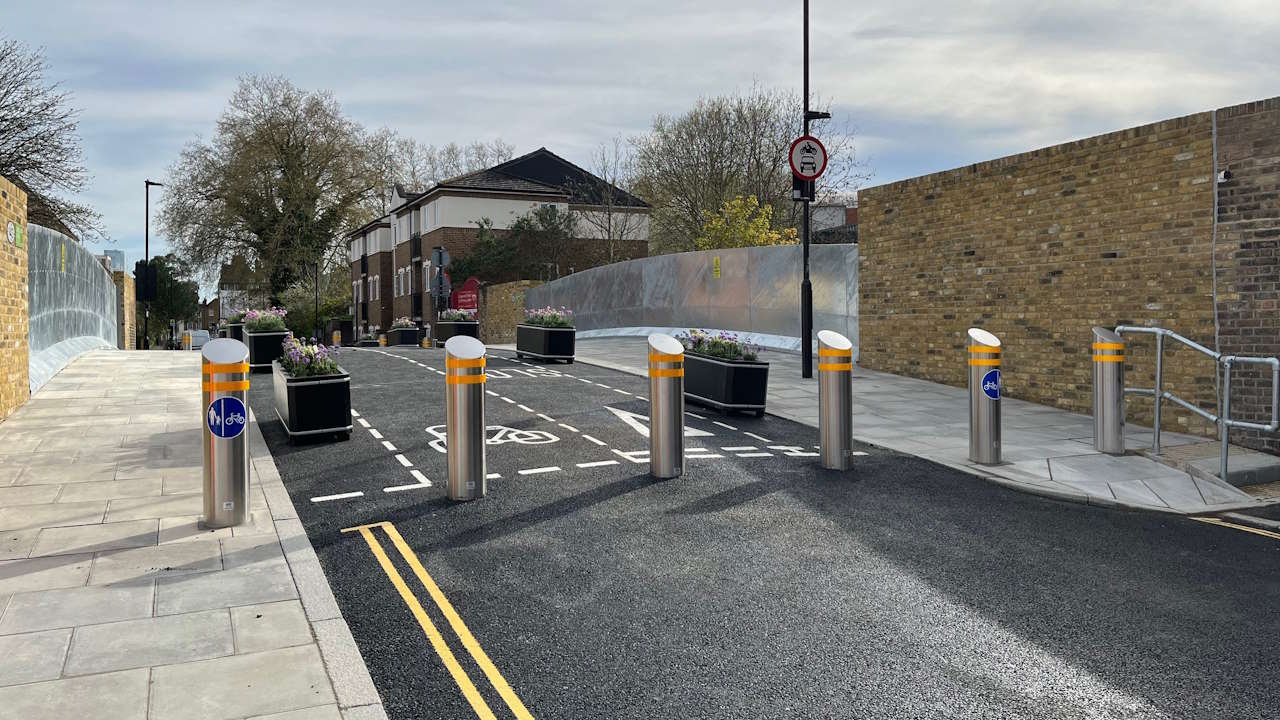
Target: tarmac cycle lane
{"x": 757, "y": 585}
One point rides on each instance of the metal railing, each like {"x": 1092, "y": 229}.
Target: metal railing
{"x": 1223, "y": 418}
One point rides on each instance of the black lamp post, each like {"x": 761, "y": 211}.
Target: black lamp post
{"x": 146, "y": 257}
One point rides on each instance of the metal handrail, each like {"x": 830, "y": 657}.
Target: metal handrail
{"x": 1223, "y": 418}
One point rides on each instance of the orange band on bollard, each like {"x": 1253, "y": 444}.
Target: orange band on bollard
{"x": 213, "y": 368}
{"x": 1108, "y": 358}
{"x": 464, "y": 379}
{"x": 985, "y": 361}
{"x": 664, "y": 357}
{"x": 227, "y": 386}
{"x": 983, "y": 349}
{"x": 1108, "y": 346}
{"x": 463, "y": 363}
{"x": 666, "y": 372}
{"x": 848, "y": 367}
{"x": 831, "y": 352}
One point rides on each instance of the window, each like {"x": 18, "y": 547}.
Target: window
{"x": 435, "y": 213}
{"x": 408, "y": 278}
{"x": 396, "y": 283}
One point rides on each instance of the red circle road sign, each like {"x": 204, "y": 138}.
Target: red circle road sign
{"x": 808, "y": 157}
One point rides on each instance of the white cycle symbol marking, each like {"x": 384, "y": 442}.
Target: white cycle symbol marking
{"x": 496, "y": 435}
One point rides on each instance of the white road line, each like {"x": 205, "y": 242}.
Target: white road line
{"x": 703, "y": 457}
{"x": 598, "y": 463}
{"x": 547, "y": 418}
{"x": 638, "y": 457}
{"x": 339, "y": 496}
{"x": 755, "y": 454}
{"x": 493, "y": 476}
{"x": 726, "y": 426}
{"x": 700, "y": 417}
{"x": 538, "y": 471}
{"x": 588, "y": 437}
{"x": 584, "y": 380}
{"x": 355, "y": 414}
{"x": 525, "y": 408}
{"x": 606, "y": 387}
{"x": 404, "y": 460}
{"x": 761, "y": 439}
{"x": 642, "y": 398}
{"x": 857, "y": 453}
{"x": 398, "y": 488}
{"x": 570, "y": 428}
{"x": 363, "y": 423}
{"x": 740, "y": 448}
{"x": 491, "y": 393}
{"x": 376, "y": 435}
{"x": 624, "y": 392}
{"x": 417, "y": 475}
{"x": 387, "y": 444}
{"x": 506, "y": 399}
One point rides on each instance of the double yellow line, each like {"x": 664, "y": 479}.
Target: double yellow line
{"x": 460, "y": 676}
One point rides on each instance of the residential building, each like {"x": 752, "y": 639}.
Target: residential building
{"x": 241, "y": 288}
{"x": 391, "y": 256}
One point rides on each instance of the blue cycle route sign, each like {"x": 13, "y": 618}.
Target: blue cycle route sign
{"x": 227, "y": 417}
{"x": 991, "y": 384}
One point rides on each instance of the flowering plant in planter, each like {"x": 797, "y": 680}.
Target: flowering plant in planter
{"x": 264, "y": 321}
{"x": 403, "y": 322}
{"x": 304, "y": 358}
{"x": 455, "y": 315}
{"x": 549, "y": 317}
{"x": 723, "y": 345}
{"x": 237, "y": 317}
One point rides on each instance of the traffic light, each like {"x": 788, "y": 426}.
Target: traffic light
{"x": 144, "y": 278}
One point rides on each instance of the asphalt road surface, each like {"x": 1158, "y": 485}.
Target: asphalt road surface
{"x": 758, "y": 585}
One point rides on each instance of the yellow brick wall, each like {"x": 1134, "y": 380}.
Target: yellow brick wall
{"x": 1039, "y": 247}
{"x": 126, "y": 310}
{"x": 501, "y": 309}
{"x": 14, "y": 385}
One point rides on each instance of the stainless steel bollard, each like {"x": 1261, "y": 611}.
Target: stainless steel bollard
{"x": 464, "y": 414}
{"x": 835, "y": 400}
{"x": 984, "y": 397}
{"x": 1108, "y": 391}
{"x": 666, "y": 406}
{"x": 224, "y": 375}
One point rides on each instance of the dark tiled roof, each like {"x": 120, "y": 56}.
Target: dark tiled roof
{"x": 545, "y": 167}
{"x": 492, "y": 179}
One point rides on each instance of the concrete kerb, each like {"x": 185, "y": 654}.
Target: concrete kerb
{"x": 352, "y": 685}
{"x": 986, "y": 473}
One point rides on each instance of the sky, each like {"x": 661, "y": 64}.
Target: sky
{"x": 923, "y": 85}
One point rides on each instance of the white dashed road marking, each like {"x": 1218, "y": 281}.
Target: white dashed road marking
{"x": 404, "y": 460}
{"x": 387, "y": 444}
{"x": 691, "y": 414}
{"x": 525, "y": 408}
{"x": 598, "y": 463}
{"x": 339, "y": 496}
{"x": 363, "y": 423}
{"x": 591, "y": 439}
{"x": 757, "y": 437}
{"x": 570, "y": 428}
{"x": 546, "y": 417}
{"x": 726, "y": 426}
{"x": 355, "y": 414}
{"x": 538, "y": 471}
{"x": 755, "y": 454}
{"x": 740, "y": 448}
{"x": 376, "y": 435}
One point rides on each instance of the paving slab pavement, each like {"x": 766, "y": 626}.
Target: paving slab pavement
{"x": 115, "y": 602}
{"x": 1046, "y": 450}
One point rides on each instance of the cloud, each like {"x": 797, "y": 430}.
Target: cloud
{"x": 926, "y": 85}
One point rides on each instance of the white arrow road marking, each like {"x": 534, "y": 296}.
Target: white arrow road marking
{"x": 640, "y": 423}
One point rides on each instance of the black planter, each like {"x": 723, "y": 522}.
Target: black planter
{"x": 446, "y": 329}
{"x": 403, "y": 336}
{"x": 369, "y": 343}
{"x": 726, "y": 384}
{"x": 545, "y": 343}
{"x": 222, "y": 332}
{"x": 264, "y": 348}
{"x": 312, "y": 406}
{"x": 235, "y": 331}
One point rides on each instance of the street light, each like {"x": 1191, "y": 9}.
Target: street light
{"x": 146, "y": 257}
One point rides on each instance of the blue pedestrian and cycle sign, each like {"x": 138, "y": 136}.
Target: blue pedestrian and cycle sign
{"x": 227, "y": 417}
{"x": 991, "y": 384}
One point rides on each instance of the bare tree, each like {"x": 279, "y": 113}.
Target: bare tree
{"x": 612, "y": 214}
{"x": 727, "y": 147}
{"x": 39, "y": 147}
{"x": 285, "y": 173}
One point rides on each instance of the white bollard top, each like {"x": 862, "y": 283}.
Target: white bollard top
{"x": 225, "y": 351}
{"x": 464, "y": 347}
{"x": 982, "y": 337}
{"x": 834, "y": 340}
{"x": 665, "y": 344}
